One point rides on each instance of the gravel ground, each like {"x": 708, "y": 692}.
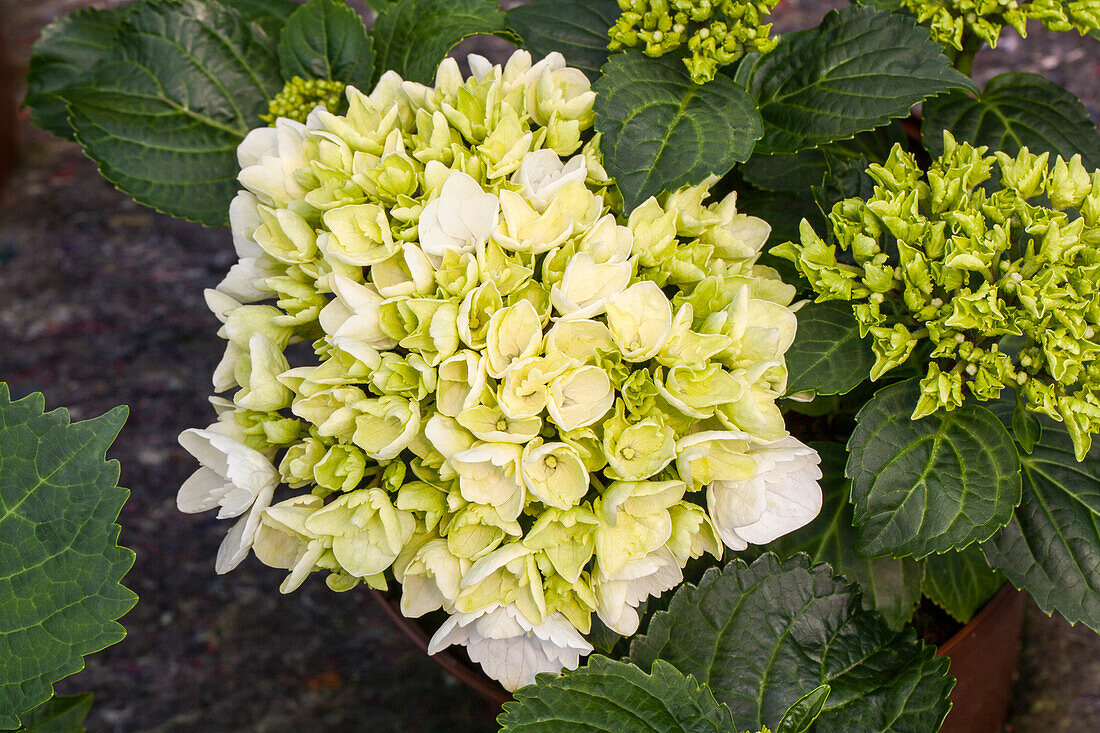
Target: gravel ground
{"x": 102, "y": 304}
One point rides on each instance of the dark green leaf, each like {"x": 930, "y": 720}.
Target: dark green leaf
{"x": 930, "y": 485}
{"x": 784, "y": 211}
{"x": 960, "y": 582}
{"x": 1051, "y": 548}
{"x": 411, "y": 37}
{"x": 164, "y": 116}
{"x": 325, "y": 39}
{"x": 890, "y": 586}
{"x": 606, "y": 695}
{"x": 797, "y": 172}
{"x": 858, "y": 70}
{"x": 1015, "y": 110}
{"x": 1026, "y": 427}
{"x": 828, "y": 355}
{"x": 794, "y": 173}
{"x": 270, "y": 14}
{"x": 65, "y": 52}
{"x": 764, "y": 635}
{"x": 60, "y": 564}
{"x": 662, "y": 131}
{"x": 59, "y": 714}
{"x": 575, "y": 28}
{"x": 803, "y": 713}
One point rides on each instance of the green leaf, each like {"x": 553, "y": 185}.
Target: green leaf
{"x": 163, "y": 117}
{"x": 798, "y": 172}
{"x": 575, "y": 28}
{"x": 929, "y": 485}
{"x": 60, "y": 564}
{"x": 764, "y": 635}
{"x": 270, "y": 14}
{"x": 66, "y": 51}
{"x": 960, "y": 582}
{"x": 606, "y": 695}
{"x": 858, "y": 70}
{"x": 803, "y": 713}
{"x": 325, "y": 39}
{"x": 828, "y": 355}
{"x": 1026, "y": 427}
{"x": 1015, "y": 110}
{"x": 795, "y": 172}
{"x": 783, "y": 210}
{"x": 890, "y": 586}
{"x": 411, "y": 37}
{"x": 59, "y": 714}
{"x": 661, "y": 130}
{"x": 1051, "y": 548}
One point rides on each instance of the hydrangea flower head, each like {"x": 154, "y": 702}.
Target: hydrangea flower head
{"x": 953, "y": 22}
{"x": 715, "y": 32}
{"x": 479, "y": 377}
{"x": 999, "y": 280}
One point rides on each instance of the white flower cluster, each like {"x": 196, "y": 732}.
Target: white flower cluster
{"x": 478, "y": 377}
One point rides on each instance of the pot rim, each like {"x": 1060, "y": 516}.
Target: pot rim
{"x": 1005, "y": 596}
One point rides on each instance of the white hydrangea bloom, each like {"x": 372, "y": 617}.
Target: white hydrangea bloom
{"x": 782, "y": 496}
{"x": 635, "y": 580}
{"x": 459, "y": 219}
{"x": 511, "y": 649}
{"x": 234, "y": 478}
{"x": 491, "y": 391}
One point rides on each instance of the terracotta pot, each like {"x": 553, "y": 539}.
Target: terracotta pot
{"x": 984, "y": 656}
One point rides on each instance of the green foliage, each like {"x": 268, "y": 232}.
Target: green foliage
{"x": 577, "y": 29}
{"x": 764, "y": 635}
{"x": 59, "y": 714}
{"x": 1051, "y": 547}
{"x": 325, "y": 39}
{"x": 67, "y": 49}
{"x": 411, "y": 37}
{"x": 662, "y": 131}
{"x": 890, "y": 586}
{"x": 930, "y": 485}
{"x": 827, "y": 356}
{"x": 61, "y": 567}
{"x": 960, "y": 582}
{"x": 163, "y": 114}
{"x": 271, "y": 15}
{"x": 804, "y": 712}
{"x": 608, "y": 695}
{"x": 1013, "y": 111}
{"x": 858, "y": 70}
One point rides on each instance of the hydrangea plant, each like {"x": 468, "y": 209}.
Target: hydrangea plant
{"x": 579, "y": 349}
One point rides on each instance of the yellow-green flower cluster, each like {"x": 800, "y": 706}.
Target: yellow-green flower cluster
{"x": 715, "y": 32}
{"x": 954, "y": 21}
{"x": 976, "y": 270}
{"x": 478, "y": 376}
{"x": 299, "y": 96}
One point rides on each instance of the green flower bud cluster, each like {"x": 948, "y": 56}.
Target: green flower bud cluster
{"x": 1002, "y": 282}
{"x": 516, "y": 392}
{"x": 299, "y": 96}
{"x": 954, "y": 21}
{"x": 715, "y": 32}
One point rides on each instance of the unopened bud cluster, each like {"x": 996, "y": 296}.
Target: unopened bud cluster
{"x": 953, "y": 21}
{"x": 715, "y": 32}
{"x": 1002, "y": 282}
{"x": 299, "y": 96}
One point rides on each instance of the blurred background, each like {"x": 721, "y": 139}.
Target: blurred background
{"x": 101, "y": 304}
